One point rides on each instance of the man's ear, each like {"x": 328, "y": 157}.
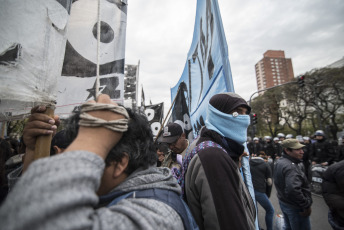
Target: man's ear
{"x": 57, "y": 149}
{"x": 183, "y": 135}
{"x": 120, "y": 167}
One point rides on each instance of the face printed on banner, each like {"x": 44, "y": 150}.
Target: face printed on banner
{"x": 154, "y": 114}
{"x": 81, "y": 54}
{"x": 155, "y": 127}
{"x": 78, "y": 80}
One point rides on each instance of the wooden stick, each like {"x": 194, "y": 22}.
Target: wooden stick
{"x": 42, "y": 148}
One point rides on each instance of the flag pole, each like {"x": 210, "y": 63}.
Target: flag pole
{"x": 43, "y": 143}
{"x": 163, "y": 123}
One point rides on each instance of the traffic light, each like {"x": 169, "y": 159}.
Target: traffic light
{"x": 254, "y": 118}
{"x": 301, "y": 81}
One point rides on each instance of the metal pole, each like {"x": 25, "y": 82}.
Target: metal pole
{"x": 317, "y": 111}
{"x": 249, "y": 102}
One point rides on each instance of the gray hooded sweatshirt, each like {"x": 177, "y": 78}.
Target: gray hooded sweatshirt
{"x": 60, "y": 193}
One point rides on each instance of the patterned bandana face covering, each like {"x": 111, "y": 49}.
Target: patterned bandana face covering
{"x": 231, "y": 126}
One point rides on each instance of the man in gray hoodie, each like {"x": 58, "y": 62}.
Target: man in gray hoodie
{"x": 97, "y": 183}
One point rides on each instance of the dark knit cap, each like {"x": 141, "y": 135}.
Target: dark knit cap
{"x": 227, "y": 102}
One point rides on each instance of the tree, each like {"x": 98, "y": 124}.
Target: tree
{"x": 266, "y": 106}
{"x": 319, "y": 104}
{"x": 297, "y": 106}
{"x": 327, "y": 86}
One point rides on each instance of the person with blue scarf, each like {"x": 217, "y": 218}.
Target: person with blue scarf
{"x": 213, "y": 184}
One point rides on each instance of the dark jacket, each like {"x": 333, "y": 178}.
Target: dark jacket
{"x": 305, "y": 159}
{"x": 278, "y": 149}
{"x": 322, "y": 151}
{"x": 269, "y": 150}
{"x": 214, "y": 188}
{"x": 291, "y": 183}
{"x": 340, "y": 153}
{"x": 333, "y": 190}
{"x": 260, "y": 171}
{"x": 59, "y": 192}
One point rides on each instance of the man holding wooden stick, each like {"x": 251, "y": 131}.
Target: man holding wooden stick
{"x": 106, "y": 178}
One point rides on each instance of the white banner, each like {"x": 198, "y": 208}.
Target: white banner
{"x": 32, "y": 45}
{"x": 77, "y": 83}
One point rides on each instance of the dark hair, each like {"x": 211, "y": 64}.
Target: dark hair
{"x": 162, "y": 148}
{"x": 137, "y": 142}
{"x": 60, "y": 140}
{"x": 5, "y": 150}
{"x": 14, "y": 144}
{"x": 289, "y": 149}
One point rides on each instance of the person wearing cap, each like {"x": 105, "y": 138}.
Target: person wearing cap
{"x": 176, "y": 140}
{"x": 289, "y": 136}
{"x": 292, "y": 186}
{"x": 322, "y": 151}
{"x": 214, "y": 188}
{"x": 281, "y": 136}
{"x": 256, "y": 147}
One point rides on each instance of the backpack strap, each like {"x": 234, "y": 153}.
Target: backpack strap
{"x": 166, "y": 196}
{"x": 187, "y": 159}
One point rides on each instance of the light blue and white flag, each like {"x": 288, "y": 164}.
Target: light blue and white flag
{"x": 207, "y": 69}
{"x": 207, "y": 72}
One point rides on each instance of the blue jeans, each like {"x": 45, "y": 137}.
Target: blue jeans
{"x": 264, "y": 201}
{"x": 293, "y": 220}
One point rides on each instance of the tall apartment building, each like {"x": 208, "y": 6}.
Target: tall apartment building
{"x": 274, "y": 69}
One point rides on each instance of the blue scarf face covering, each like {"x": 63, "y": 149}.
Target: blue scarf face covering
{"x": 227, "y": 125}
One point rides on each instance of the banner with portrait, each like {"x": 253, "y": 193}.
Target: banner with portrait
{"x": 78, "y": 79}
{"x": 155, "y": 115}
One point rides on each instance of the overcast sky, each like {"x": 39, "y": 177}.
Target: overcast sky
{"x": 159, "y": 34}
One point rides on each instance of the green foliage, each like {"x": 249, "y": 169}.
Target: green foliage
{"x": 15, "y": 128}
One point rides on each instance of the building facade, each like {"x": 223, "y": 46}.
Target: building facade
{"x": 274, "y": 69}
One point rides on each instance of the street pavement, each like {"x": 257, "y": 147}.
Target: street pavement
{"x": 318, "y": 217}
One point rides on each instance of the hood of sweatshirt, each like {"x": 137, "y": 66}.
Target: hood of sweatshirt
{"x": 153, "y": 177}
{"x": 254, "y": 161}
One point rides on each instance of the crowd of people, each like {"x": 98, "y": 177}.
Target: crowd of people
{"x": 105, "y": 171}
{"x": 299, "y": 155}
{"x": 317, "y": 149}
